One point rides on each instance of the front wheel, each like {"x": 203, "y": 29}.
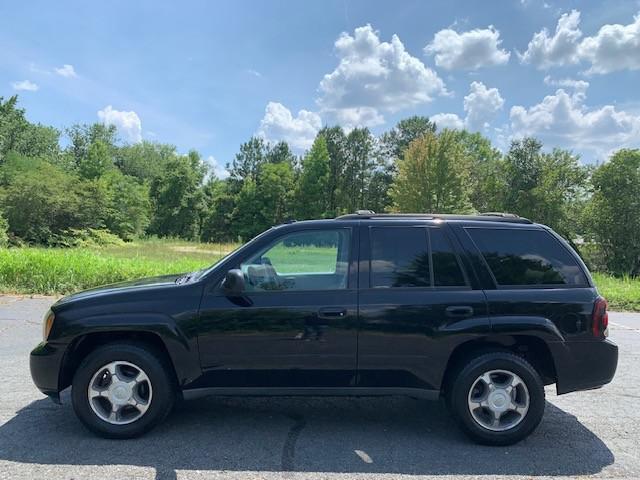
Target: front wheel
{"x": 122, "y": 390}
{"x": 498, "y": 398}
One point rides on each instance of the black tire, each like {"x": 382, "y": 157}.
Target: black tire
{"x": 458, "y": 397}
{"x": 158, "y": 371}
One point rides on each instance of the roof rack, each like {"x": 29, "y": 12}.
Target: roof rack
{"x": 487, "y": 217}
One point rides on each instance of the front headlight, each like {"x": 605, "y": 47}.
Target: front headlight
{"x": 47, "y": 324}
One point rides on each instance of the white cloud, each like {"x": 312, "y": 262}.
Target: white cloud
{"x": 66, "y": 71}
{"x": 481, "y": 106}
{"x": 127, "y": 123}
{"x": 253, "y": 73}
{"x": 563, "y": 120}
{"x": 216, "y": 167}
{"x": 614, "y": 47}
{"x": 373, "y": 77}
{"x": 447, "y": 120}
{"x": 468, "y": 50}
{"x": 545, "y": 51}
{"x": 279, "y": 124}
{"x": 25, "y": 85}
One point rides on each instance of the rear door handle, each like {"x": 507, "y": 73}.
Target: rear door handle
{"x": 332, "y": 312}
{"x": 459, "y": 311}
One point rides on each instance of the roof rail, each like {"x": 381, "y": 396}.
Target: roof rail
{"x": 487, "y": 217}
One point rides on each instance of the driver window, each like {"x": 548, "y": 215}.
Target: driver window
{"x": 307, "y": 260}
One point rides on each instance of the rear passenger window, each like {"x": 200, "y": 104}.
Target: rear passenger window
{"x": 399, "y": 257}
{"x": 527, "y": 257}
{"x": 446, "y": 269}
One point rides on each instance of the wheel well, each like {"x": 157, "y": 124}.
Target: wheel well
{"x": 532, "y": 349}
{"x": 84, "y": 345}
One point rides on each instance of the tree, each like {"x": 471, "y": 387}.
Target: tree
{"x": 22, "y": 137}
{"x": 128, "y": 206}
{"x": 358, "y": 168}
{"x": 217, "y": 223}
{"x": 544, "y": 187}
{"x": 336, "y": 141}
{"x": 486, "y": 171}
{"x": 311, "y": 191}
{"x": 247, "y": 161}
{"x": 613, "y": 210}
{"x": 40, "y": 200}
{"x": 96, "y": 162}
{"x": 432, "y": 176}
{"x": 394, "y": 142}
{"x": 145, "y": 160}
{"x": 177, "y": 198}
{"x": 82, "y": 137}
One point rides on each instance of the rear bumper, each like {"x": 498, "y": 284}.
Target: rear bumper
{"x": 45, "y": 363}
{"x": 584, "y": 365}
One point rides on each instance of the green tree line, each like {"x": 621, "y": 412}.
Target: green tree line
{"x": 98, "y": 187}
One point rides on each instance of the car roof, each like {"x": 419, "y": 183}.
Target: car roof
{"x": 495, "y": 219}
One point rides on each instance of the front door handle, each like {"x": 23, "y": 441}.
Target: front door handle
{"x": 459, "y": 311}
{"x": 332, "y": 312}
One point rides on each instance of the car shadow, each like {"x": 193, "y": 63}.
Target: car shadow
{"x": 342, "y": 435}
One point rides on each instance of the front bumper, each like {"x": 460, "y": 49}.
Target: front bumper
{"x": 584, "y": 365}
{"x": 45, "y": 363}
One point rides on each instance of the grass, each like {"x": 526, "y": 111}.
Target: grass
{"x": 623, "y": 294}
{"x": 60, "y": 271}
{"x": 50, "y": 271}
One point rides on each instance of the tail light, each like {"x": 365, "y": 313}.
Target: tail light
{"x": 600, "y": 318}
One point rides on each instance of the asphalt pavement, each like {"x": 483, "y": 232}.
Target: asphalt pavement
{"x": 593, "y": 434}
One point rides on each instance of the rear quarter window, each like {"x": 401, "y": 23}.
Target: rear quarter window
{"x": 527, "y": 257}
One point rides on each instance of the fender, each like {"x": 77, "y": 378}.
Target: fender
{"x": 535, "y": 326}
{"x": 182, "y": 349}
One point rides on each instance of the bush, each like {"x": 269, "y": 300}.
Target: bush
{"x": 90, "y": 237}
{"x": 4, "y": 228}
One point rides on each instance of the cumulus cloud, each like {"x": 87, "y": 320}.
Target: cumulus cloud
{"x": 468, "y": 50}
{"x": 447, "y": 120}
{"x": 25, "y": 85}
{"x": 481, "y": 106}
{"x": 66, "y": 70}
{"x": 561, "y": 48}
{"x": 373, "y": 77}
{"x": 127, "y": 123}
{"x": 614, "y": 47}
{"x": 563, "y": 120}
{"x": 216, "y": 167}
{"x": 279, "y": 123}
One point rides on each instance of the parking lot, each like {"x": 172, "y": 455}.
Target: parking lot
{"x": 592, "y": 434}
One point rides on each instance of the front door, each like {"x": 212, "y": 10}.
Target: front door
{"x": 296, "y": 324}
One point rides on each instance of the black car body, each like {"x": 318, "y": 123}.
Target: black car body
{"x": 411, "y": 300}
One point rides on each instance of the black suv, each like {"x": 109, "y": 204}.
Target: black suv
{"x": 483, "y": 311}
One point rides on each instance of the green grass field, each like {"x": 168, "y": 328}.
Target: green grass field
{"x": 53, "y": 271}
{"x": 60, "y": 271}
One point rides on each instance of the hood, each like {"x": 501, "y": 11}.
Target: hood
{"x": 121, "y": 287}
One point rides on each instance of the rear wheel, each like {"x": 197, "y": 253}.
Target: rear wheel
{"x": 122, "y": 390}
{"x": 498, "y": 398}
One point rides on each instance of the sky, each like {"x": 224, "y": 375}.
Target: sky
{"x": 208, "y": 75}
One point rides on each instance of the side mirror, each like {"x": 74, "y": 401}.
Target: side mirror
{"x": 233, "y": 283}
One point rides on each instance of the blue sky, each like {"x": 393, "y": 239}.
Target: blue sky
{"x": 208, "y": 75}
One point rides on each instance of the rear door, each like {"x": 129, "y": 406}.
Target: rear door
{"x": 416, "y": 301}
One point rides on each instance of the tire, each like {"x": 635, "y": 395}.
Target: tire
{"x": 153, "y": 391}
{"x": 520, "y": 408}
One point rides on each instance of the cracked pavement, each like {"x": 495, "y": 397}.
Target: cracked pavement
{"x": 591, "y": 434}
